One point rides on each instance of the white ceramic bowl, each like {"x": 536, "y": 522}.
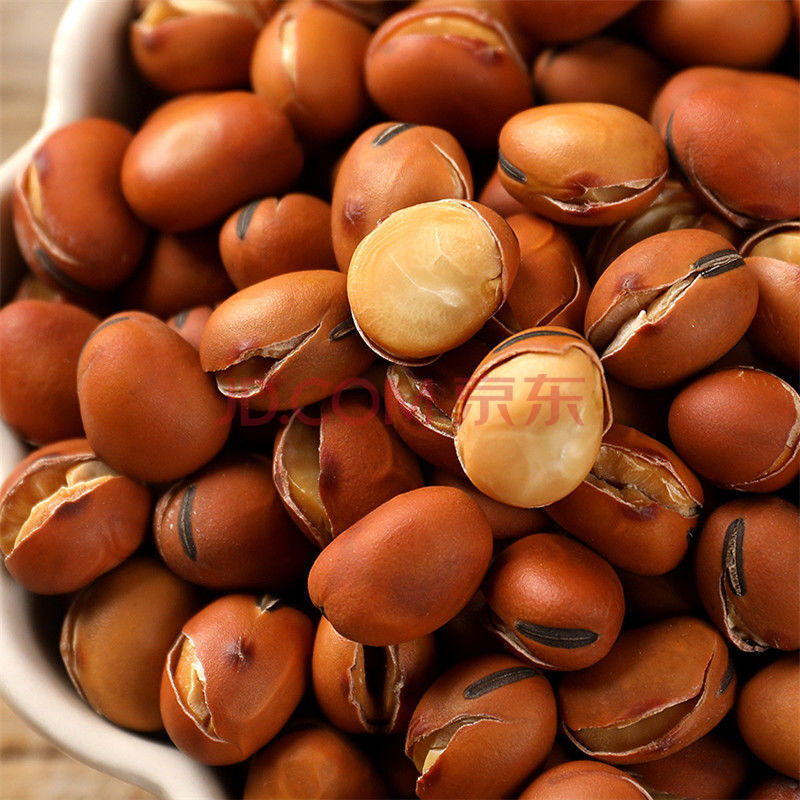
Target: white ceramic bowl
{"x": 88, "y": 76}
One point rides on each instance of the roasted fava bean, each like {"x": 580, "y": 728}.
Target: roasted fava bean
{"x": 405, "y": 568}
{"x": 453, "y": 67}
{"x": 500, "y": 420}
{"x": 192, "y": 45}
{"x": 66, "y": 517}
{"x": 199, "y": 156}
{"x": 190, "y": 323}
{"x": 312, "y": 761}
{"x": 669, "y": 306}
{"x": 582, "y": 163}
{"x": 73, "y": 226}
{"x": 661, "y": 687}
{"x": 481, "y": 729}
{"x": 40, "y": 343}
{"x": 554, "y": 602}
{"x": 234, "y": 676}
{"x": 740, "y": 428}
{"x": 331, "y": 470}
{"x": 284, "y": 342}
{"x": 116, "y": 636}
{"x": 429, "y": 277}
{"x": 363, "y": 689}
{"x": 639, "y": 505}
{"x": 582, "y": 780}
{"x": 768, "y": 714}
{"x": 747, "y": 569}
{"x": 225, "y": 528}
{"x": 309, "y": 61}
{"x": 275, "y": 235}
{"x": 391, "y": 166}
{"x": 148, "y": 409}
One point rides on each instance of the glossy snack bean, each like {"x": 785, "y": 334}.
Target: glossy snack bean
{"x": 309, "y": 61}
{"x": 500, "y": 419}
{"x": 747, "y": 569}
{"x": 768, "y": 715}
{"x": 552, "y": 21}
{"x": 363, "y": 689}
{"x": 199, "y": 156}
{"x": 582, "y": 163}
{"x": 456, "y": 68}
{"x": 66, "y": 518}
{"x": 740, "y": 428}
{"x": 554, "y": 602}
{"x": 74, "y": 179}
{"x": 669, "y": 306}
{"x": 481, "y": 729}
{"x": 584, "y": 780}
{"x": 40, "y": 342}
{"x": 312, "y": 761}
{"x": 334, "y": 465}
{"x": 429, "y": 277}
{"x": 393, "y": 165}
{"x": 147, "y": 407}
{"x": 116, "y": 636}
{"x": 425, "y": 551}
{"x": 234, "y": 676}
{"x": 225, "y": 528}
{"x": 661, "y": 687}
{"x": 638, "y": 506}
{"x": 284, "y": 342}
{"x": 194, "y": 46}
{"x": 275, "y": 235}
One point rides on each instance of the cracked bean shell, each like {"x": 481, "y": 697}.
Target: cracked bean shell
{"x": 148, "y": 408}
{"x": 199, "y": 156}
{"x": 405, "y": 568}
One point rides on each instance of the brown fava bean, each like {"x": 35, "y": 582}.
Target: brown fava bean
{"x": 116, "y": 636}
{"x": 190, "y": 323}
{"x": 429, "y": 277}
{"x": 190, "y": 46}
{"x": 438, "y": 530}
{"x": 747, "y": 569}
{"x": 669, "y": 306}
{"x": 584, "y": 780}
{"x": 456, "y": 68}
{"x": 284, "y": 342}
{"x": 312, "y": 762}
{"x": 276, "y": 235}
{"x": 552, "y": 449}
{"x": 781, "y": 241}
{"x": 740, "y": 428}
{"x": 661, "y": 687}
{"x": 40, "y": 342}
{"x": 199, "y": 156}
{"x": 147, "y": 407}
{"x": 582, "y": 163}
{"x": 554, "y": 602}
{"x": 225, "y": 528}
{"x": 768, "y": 715}
{"x": 638, "y": 506}
{"x": 234, "y": 676}
{"x": 363, "y": 689}
{"x": 481, "y": 729}
{"x": 66, "y": 518}
{"x": 309, "y": 61}
{"x": 73, "y": 226}
{"x": 393, "y": 165}
{"x": 332, "y": 470}
{"x": 495, "y": 196}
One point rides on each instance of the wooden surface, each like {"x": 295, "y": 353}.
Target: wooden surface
{"x": 30, "y": 767}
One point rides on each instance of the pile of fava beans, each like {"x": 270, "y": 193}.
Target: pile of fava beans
{"x": 415, "y": 396}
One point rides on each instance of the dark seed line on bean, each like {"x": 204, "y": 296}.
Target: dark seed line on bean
{"x": 185, "y": 522}
{"x": 513, "y": 172}
{"x": 733, "y": 557}
{"x": 567, "y": 638}
{"x": 342, "y": 330}
{"x": 244, "y": 219}
{"x": 496, "y": 680}
{"x": 389, "y": 133}
{"x": 716, "y": 263}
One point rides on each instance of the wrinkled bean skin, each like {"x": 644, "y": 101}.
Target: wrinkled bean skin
{"x": 116, "y": 636}
{"x": 199, "y": 156}
{"x": 147, "y": 407}
{"x": 581, "y": 780}
{"x": 436, "y": 528}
